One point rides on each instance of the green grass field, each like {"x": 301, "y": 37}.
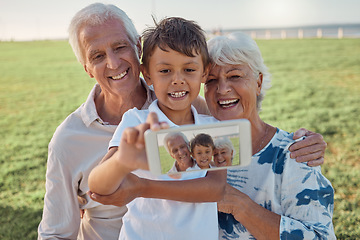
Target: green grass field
{"x": 316, "y": 85}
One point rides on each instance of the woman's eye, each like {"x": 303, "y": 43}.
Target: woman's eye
{"x": 235, "y": 76}
{"x": 189, "y": 70}
{"x": 210, "y": 80}
{"x": 165, "y": 71}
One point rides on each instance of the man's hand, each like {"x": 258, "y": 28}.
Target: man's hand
{"x": 311, "y": 149}
{"x": 129, "y": 189}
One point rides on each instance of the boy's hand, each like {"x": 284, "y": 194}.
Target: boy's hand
{"x": 311, "y": 149}
{"x": 131, "y": 150}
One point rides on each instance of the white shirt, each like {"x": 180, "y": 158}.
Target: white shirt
{"x": 300, "y": 194}
{"x": 165, "y": 219}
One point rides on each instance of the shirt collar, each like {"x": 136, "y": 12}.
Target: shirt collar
{"x": 163, "y": 118}
{"x": 89, "y": 113}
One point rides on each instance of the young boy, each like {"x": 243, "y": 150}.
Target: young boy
{"x": 202, "y": 149}
{"x": 175, "y": 62}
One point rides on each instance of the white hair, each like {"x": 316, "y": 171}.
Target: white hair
{"x": 224, "y": 142}
{"x": 173, "y": 135}
{"x": 239, "y": 48}
{"x": 94, "y": 15}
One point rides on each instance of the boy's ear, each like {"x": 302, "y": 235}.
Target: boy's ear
{"x": 145, "y": 74}
{"x": 205, "y": 74}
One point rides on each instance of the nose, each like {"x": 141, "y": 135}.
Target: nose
{"x": 178, "y": 79}
{"x": 223, "y": 87}
{"x": 113, "y": 61}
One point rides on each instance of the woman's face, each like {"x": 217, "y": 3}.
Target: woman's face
{"x": 223, "y": 157}
{"x": 231, "y": 92}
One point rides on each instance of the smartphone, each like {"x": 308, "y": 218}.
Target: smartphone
{"x": 163, "y": 154}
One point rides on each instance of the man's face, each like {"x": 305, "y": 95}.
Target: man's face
{"x": 110, "y": 57}
{"x": 180, "y": 152}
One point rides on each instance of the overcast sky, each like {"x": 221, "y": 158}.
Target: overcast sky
{"x": 49, "y": 19}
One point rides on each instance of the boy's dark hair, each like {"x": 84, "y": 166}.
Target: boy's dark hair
{"x": 202, "y": 139}
{"x": 181, "y": 35}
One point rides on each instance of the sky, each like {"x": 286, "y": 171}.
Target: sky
{"x": 49, "y": 19}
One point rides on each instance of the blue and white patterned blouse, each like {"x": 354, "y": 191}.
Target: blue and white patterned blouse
{"x": 300, "y": 194}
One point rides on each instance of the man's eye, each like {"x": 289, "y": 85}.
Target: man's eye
{"x": 120, "y": 47}
{"x": 97, "y": 57}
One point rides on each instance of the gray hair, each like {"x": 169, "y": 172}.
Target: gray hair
{"x": 173, "y": 135}
{"x": 224, "y": 142}
{"x": 94, "y": 15}
{"x": 239, "y": 48}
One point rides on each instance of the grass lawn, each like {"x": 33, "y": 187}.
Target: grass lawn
{"x": 316, "y": 85}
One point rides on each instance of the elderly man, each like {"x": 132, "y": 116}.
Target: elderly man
{"x": 106, "y": 43}
{"x": 177, "y": 145}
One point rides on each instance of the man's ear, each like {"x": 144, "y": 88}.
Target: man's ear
{"x": 205, "y": 73}
{"x": 145, "y": 74}
{"x": 138, "y": 47}
{"x": 87, "y": 71}
{"x": 259, "y": 84}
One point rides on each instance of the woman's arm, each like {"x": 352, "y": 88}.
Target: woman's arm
{"x": 207, "y": 189}
{"x": 310, "y": 150}
{"x": 306, "y": 199}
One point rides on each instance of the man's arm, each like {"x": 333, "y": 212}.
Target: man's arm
{"x": 57, "y": 223}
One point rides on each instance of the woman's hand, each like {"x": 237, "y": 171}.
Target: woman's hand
{"x": 311, "y": 149}
{"x": 260, "y": 222}
{"x": 230, "y": 200}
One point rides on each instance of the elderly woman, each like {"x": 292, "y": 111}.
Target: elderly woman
{"x": 274, "y": 197}
{"x": 224, "y": 152}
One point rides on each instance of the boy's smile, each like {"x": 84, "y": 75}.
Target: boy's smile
{"x": 176, "y": 78}
{"x": 202, "y": 155}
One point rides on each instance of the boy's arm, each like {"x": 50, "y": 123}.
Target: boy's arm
{"x": 105, "y": 178}
{"x": 311, "y": 149}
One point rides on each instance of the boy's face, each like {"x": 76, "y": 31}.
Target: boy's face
{"x": 176, "y": 78}
{"x": 202, "y": 155}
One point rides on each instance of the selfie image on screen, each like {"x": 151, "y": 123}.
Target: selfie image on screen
{"x": 176, "y": 146}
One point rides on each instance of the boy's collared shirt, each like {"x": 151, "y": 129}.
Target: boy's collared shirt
{"x": 165, "y": 219}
